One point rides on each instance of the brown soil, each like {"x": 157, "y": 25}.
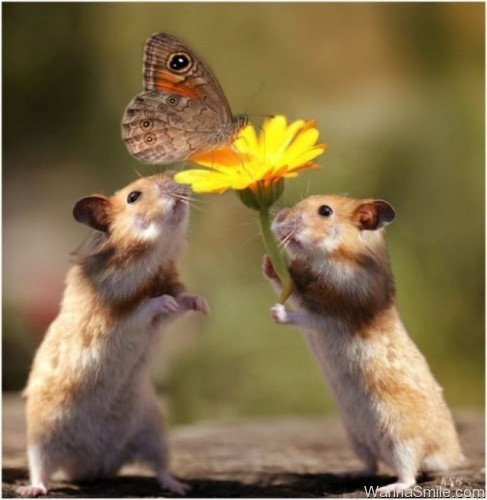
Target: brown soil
{"x": 275, "y": 458}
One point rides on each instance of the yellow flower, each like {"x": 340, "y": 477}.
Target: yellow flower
{"x": 280, "y": 151}
{"x": 255, "y": 167}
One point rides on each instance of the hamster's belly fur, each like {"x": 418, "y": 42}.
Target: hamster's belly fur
{"x": 98, "y": 437}
{"x": 86, "y": 415}
{"x": 387, "y": 396}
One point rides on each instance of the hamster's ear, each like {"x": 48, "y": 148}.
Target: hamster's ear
{"x": 93, "y": 211}
{"x": 374, "y": 215}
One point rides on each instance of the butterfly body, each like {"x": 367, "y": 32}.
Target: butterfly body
{"x": 182, "y": 111}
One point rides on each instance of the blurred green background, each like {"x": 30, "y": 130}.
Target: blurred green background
{"x": 398, "y": 93}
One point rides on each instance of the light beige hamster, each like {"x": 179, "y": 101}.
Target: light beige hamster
{"x": 391, "y": 405}
{"x": 91, "y": 406}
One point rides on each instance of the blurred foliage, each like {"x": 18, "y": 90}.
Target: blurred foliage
{"x": 398, "y": 93}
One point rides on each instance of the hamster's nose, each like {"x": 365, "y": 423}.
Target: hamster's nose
{"x": 281, "y": 215}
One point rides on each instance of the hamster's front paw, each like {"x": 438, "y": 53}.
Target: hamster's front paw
{"x": 170, "y": 483}
{"x": 280, "y": 315}
{"x": 164, "y": 304}
{"x": 194, "y": 302}
{"x": 283, "y": 316}
{"x": 268, "y": 270}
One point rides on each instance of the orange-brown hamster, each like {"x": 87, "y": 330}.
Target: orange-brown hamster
{"x": 91, "y": 406}
{"x": 392, "y": 407}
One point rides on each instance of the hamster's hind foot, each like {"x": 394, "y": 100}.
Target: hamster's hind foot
{"x": 397, "y": 487}
{"x": 32, "y": 490}
{"x": 170, "y": 483}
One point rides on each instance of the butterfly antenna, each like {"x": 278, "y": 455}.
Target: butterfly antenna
{"x": 252, "y": 98}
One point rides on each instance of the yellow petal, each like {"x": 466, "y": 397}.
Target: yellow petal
{"x": 271, "y": 135}
{"x": 247, "y": 140}
{"x": 227, "y": 156}
{"x": 280, "y": 150}
{"x": 296, "y": 158}
{"x": 277, "y": 137}
{"x": 203, "y": 181}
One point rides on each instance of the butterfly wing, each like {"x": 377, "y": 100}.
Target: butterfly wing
{"x": 183, "y": 110}
{"x": 159, "y": 127}
{"x": 169, "y": 66}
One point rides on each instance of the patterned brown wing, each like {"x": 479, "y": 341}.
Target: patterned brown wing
{"x": 172, "y": 67}
{"x": 183, "y": 110}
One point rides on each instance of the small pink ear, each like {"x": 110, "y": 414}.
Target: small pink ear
{"x": 93, "y": 211}
{"x": 375, "y": 214}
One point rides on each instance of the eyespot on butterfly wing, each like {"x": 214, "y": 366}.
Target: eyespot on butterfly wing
{"x": 183, "y": 110}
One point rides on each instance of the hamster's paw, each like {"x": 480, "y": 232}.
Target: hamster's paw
{"x": 268, "y": 270}
{"x": 170, "y": 483}
{"x": 165, "y": 304}
{"x": 393, "y": 488}
{"x": 32, "y": 490}
{"x": 280, "y": 315}
{"x": 195, "y": 303}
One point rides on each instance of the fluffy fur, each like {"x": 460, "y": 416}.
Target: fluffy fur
{"x": 91, "y": 407}
{"x": 392, "y": 407}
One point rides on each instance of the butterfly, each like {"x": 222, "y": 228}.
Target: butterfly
{"x": 182, "y": 111}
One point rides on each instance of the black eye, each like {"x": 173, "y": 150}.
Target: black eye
{"x": 179, "y": 62}
{"x": 325, "y": 211}
{"x": 133, "y": 196}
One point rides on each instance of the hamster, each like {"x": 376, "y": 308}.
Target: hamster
{"x": 91, "y": 407}
{"x": 344, "y": 294}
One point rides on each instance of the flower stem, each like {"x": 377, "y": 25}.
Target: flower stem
{"x": 276, "y": 257}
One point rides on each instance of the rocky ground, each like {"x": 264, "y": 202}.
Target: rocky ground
{"x": 277, "y": 458}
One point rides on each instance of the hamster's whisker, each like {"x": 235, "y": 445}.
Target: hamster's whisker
{"x": 253, "y": 225}
{"x": 183, "y": 197}
{"x": 189, "y": 198}
{"x": 285, "y": 237}
{"x": 136, "y": 170}
{"x": 195, "y": 206}
{"x": 247, "y": 232}
{"x": 308, "y": 189}
{"x": 246, "y": 227}
{"x": 244, "y": 239}
{"x": 282, "y": 240}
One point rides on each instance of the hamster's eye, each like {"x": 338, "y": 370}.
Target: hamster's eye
{"x": 133, "y": 196}
{"x": 325, "y": 211}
